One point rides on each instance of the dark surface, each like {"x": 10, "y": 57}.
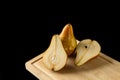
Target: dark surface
{"x": 29, "y": 33}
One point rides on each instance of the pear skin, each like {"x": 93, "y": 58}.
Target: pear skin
{"x": 68, "y": 39}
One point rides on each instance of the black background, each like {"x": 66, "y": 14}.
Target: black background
{"x": 27, "y": 32}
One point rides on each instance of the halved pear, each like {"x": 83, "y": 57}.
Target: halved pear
{"x": 68, "y": 39}
{"x": 86, "y": 50}
{"x": 55, "y": 57}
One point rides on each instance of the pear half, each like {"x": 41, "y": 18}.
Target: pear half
{"x": 55, "y": 57}
{"x": 86, "y": 50}
{"x": 68, "y": 39}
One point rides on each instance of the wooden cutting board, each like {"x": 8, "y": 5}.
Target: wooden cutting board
{"x": 102, "y": 67}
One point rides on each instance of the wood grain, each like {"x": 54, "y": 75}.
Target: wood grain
{"x": 102, "y": 67}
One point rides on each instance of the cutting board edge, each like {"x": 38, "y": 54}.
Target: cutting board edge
{"x": 29, "y": 65}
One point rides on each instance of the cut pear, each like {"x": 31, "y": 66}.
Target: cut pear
{"x": 86, "y": 50}
{"x": 55, "y": 57}
{"x": 68, "y": 39}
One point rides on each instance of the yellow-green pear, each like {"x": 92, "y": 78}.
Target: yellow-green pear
{"x": 68, "y": 39}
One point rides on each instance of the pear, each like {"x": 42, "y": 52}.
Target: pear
{"x": 68, "y": 39}
{"x": 55, "y": 57}
{"x": 86, "y": 50}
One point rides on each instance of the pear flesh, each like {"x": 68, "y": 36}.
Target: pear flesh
{"x": 86, "y": 50}
{"x": 55, "y": 56}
